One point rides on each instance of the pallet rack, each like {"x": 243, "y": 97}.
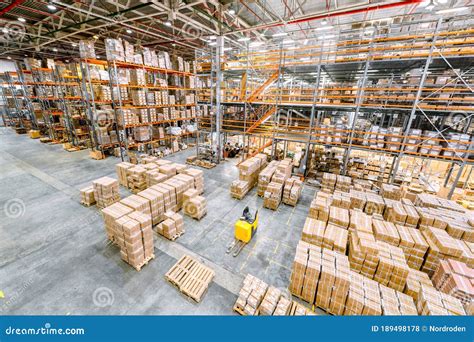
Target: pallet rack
{"x": 326, "y": 90}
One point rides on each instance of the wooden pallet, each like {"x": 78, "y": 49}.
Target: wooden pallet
{"x": 239, "y": 310}
{"x": 191, "y": 277}
{"x": 85, "y": 204}
{"x": 145, "y": 262}
{"x": 174, "y": 237}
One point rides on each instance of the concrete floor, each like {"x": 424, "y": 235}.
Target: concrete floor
{"x": 55, "y": 259}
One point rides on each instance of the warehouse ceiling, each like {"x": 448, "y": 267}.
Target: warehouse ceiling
{"x": 53, "y": 28}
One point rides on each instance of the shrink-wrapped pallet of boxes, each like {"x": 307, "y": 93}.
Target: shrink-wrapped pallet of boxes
{"x": 248, "y": 175}
{"x": 433, "y": 302}
{"x": 292, "y": 190}
{"x": 106, "y": 191}
{"x": 87, "y": 196}
{"x": 198, "y": 176}
{"x": 196, "y": 207}
{"x": 265, "y": 177}
{"x": 110, "y": 214}
{"x": 156, "y": 203}
{"x": 136, "y": 179}
{"x": 272, "y": 196}
{"x": 172, "y": 227}
{"x": 250, "y": 296}
{"x": 121, "y": 169}
{"x": 456, "y": 279}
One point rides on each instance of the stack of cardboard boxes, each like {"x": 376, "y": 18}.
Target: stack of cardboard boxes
{"x": 272, "y": 195}
{"x": 137, "y": 203}
{"x": 198, "y": 177}
{"x": 265, "y": 177}
{"x": 456, "y": 279}
{"x": 156, "y": 203}
{"x": 291, "y": 191}
{"x": 106, "y": 191}
{"x": 121, "y": 169}
{"x": 433, "y": 302}
{"x": 172, "y": 227}
{"x": 134, "y": 236}
{"x": 329, "y": 182}
{"x": 87, "y": 196}
{"x": 111, "y": 214}
{"x": 136, "y": 179}
{"x": 328, "y": 236}
{"x": 195, "y": 206}
{"x": 248, "y": 175}
{"x": 414, "y": 281}
{"x": 250, "y": 296}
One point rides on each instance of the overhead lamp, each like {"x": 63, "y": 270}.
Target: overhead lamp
{"x": 305, "y": 59}
{"x": 442, "y": 2}
{"x": 168, "y": 23}
{"x": 305, "y": 42}
{"x": 95, "y": 36}
{"x": 212, "y": 37}
{"x": 231, "y": 11}
{"x": 212, "y": 43}
{"x": 129, "y": 31}
{"x": 227, "y": 49}
{"x": 324, "y": 21}
{"x": 253, "y": 44}
{"x": 67, "y": 60}
{"x": 430, "y": 6}
{"x": 330, "y": 27}
{"x": 55, "y": 50}
{"x": 243, "y": 39}
{"x": 51, "y": 7}
{"x": 280, "y": 34}
{"x": 288, "y": 41}
{"x": 22, "y": 19}
{"x": 74, "y": 44}
{"x": 173, "y": 44}
{"x": 9, "y": 57}
{"x": 4, "y": 30}
{"x": 451, "y": 10}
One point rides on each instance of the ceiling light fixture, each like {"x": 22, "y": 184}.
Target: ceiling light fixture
{"x": 74, "y": 44}
{"x": 55, "y": 50}
{"x": 253, "y": 44}
{"x": 324, "y": 21}
{"x": 95, "y": 36}
{"x": 129, "y": 31}
{"x": 324, "y": 28}
{"x": 288, "y": 41}
{"x": 305, "y": 42}
{"x": 280, "y": 34}
{"x": 212, "y": 43}
{"x": 451, "y": 10}
{"x": 51, "y": 7}
{"x": 231, "y": 11}
{"x": 243, "y": 39}
{"x": 22, "y": 19}
{"x": 168, "y": 23}
{"x": 9, "y": 57}
{"x": 212, "y": 37}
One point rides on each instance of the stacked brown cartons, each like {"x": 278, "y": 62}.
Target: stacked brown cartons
{"x": 250, "y": 296}
{"x": 413, "y": 244}
{"x": 395, "y": 211}
{"x": 87, "y": 195}
{"x": 147, "y": 159}
{"x": 265, "y": 177}
{"x": 359, "y": 220}
{"x": 165, "y": 191}
{"x": 412, "y": 218}
{"x": 156, "y": 203}
{"x": 297, "y": 279}
{"x": 188, "y": 194}
{"x": 456, "y": 279}
{"x": 161, "y": 162}
{"x": 168, "y": 169}
{"x": 283, "y": 171}
{"x": 111, "y": 214}
{"x": 334, "y": 282}
{"x": 284, "y": 305}
{"x": 339, "y": 217}
{"x": 442, "y": 246}
{"x": 329, "y": 182}
{"x": 154, "y": 177}
{"x": 356, "y": 295}
{"x": 414, "y": 281}
{"x": 374, "y": 205}
{"x": 180, "y": 168}
{"x": 372, "y": 298}
{"x": 134, "y": 235}
{"x": 178, "y": 188}
{"x": 121, "y": 169}
{"x": 292, "y": 190}
{"x": 106, "y": 191}
{"x": 269, "y": 302}
{"x": 343, "y": 183}
{"x": 389, "y": 191}
{"x": 313, "y": 231}
{"x": 136, "y": 179}
{"x": 172, "y": 227}
{"x": 272, "y": 195}
{"x": 392, "y": 269}
{"x": 170, "y": 199}
{"x": 196, "y": 207}
{"x": 198, "y": 176}
{"x": 137, "y": 203}
{"x": 320, "y": 206}
{"x": 358, "y": 199}
{"x": 433, "y": 302}
{"x": 396, "y": 303}
{"x": 363, "y": 251}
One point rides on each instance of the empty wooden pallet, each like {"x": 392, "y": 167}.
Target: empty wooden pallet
{"x": 191, "y": 277}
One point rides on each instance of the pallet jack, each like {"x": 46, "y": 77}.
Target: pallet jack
{"x": 244, "y": 230}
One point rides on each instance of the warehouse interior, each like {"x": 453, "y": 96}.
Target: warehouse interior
{"x": 258, "y": 157}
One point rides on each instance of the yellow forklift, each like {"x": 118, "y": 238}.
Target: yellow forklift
{"x": 244, "y": 230}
